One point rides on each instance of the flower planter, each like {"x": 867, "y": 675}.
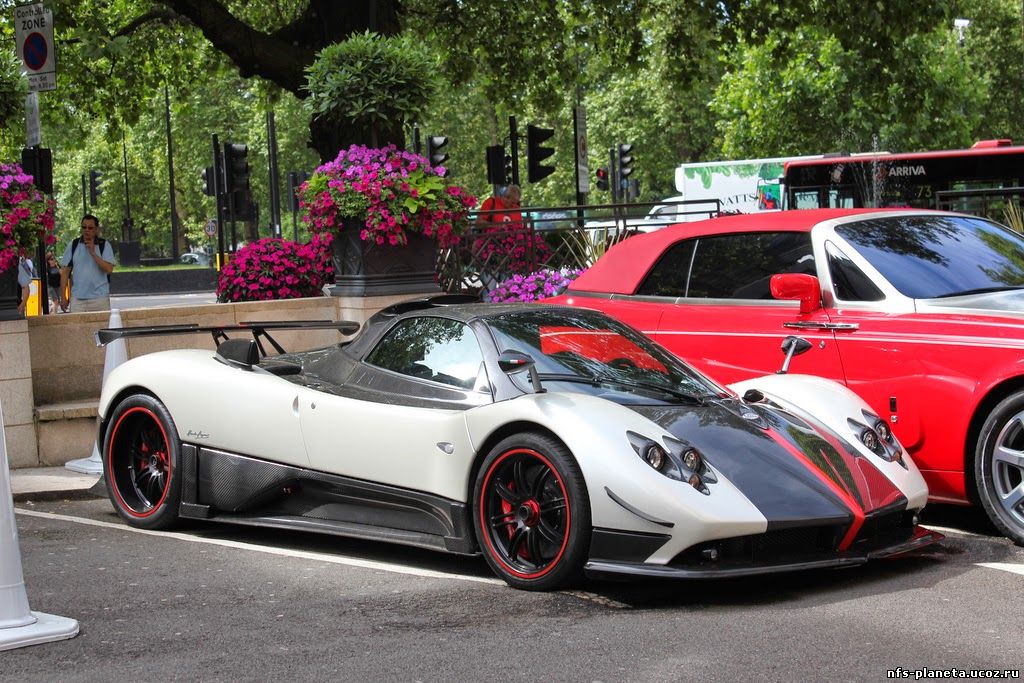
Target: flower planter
{"x": 369, "y": 269}
{"x": 10, "y": 294}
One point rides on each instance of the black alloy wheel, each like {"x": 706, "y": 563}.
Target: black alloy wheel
{"x": 999, "y": 467}
{"x": 532, "y": 513}
{"x": 141, "y": 456}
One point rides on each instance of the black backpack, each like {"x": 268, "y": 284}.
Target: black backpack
{"x": 100, "y": 242}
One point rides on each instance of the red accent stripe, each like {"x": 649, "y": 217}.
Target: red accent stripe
{"x": 844, "y": 496}
{"x": 875, "y": 489}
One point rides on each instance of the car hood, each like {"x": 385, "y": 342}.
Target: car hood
{"x": 796, "y": 473}
{"x": 1000, "y": 303}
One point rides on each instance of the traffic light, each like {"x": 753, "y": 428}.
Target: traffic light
{"x": 208, "y": 188}
{"x": 625, "y": 162}
{"x": 95, "y": 186}
{"x": 496, "y": 171}
{"x": 535, "y": 153}
{"x": 434, "y": 153}
{"x": 602, "y": 179}
{"x": 508, "y": 168}
{"x": 236, "y": 167}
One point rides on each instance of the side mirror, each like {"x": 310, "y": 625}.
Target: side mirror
{"x": 798, "y": 286}
{"x": 792, "y": 346}
{"x": 514, "y": 362}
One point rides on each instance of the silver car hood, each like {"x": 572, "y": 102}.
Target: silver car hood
{"x": 1009, "y": 303}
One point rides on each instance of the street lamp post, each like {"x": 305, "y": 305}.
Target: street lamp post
{"x": 961, "y": 26}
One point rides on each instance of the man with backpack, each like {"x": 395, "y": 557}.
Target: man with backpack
{"x": 92, "y": 259}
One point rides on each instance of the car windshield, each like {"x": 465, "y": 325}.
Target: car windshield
{"x": 926, "y": 257}
{"x": 585, "y": 351}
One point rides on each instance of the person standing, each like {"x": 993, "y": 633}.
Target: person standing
{"x": 92, "y": 260}
{"x": 507, "y": 198}
{"x": 26, "y": 273}
{"x": 53, "y": 281}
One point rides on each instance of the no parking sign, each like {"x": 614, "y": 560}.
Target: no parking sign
{"x": 33, "y": 26}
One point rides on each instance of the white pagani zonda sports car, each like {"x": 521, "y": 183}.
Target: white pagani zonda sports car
{"x": 552, "y": 440}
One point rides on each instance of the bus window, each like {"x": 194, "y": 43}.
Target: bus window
{"x": 841, "y": 198}
{"x": 806, "y": 199}
{"x": 978, "y": 180}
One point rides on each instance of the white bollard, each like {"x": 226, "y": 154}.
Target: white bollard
{"x": 117, "y": 353}
{"x": 19, "y": 626}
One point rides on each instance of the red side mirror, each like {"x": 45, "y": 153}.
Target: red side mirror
{"x": 798, "y": 286}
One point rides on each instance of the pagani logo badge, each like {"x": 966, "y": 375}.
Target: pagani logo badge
{"x": 198, "y": 435}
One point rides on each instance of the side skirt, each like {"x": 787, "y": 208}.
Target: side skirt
{"x": 228, "y": 487}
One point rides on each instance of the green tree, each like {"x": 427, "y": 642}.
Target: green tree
{"x": 807, "y": 92}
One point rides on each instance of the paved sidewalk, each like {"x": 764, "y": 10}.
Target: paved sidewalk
{"x": 50, "y": 483}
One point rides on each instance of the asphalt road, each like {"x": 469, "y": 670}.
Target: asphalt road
{"x": 223, "y": 603}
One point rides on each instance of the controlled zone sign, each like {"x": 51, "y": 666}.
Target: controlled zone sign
{"x": 33, "y": 26}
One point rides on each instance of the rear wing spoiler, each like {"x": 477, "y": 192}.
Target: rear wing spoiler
{"x": 258, "y": 329}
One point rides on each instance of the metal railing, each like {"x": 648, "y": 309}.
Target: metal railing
{"x": 556, "y": 237}
{"x": 985, "y": 202}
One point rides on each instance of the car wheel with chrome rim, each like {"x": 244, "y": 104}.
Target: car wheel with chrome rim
{"x": 999, "y": 467}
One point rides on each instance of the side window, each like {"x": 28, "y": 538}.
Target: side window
{"x": 436, "y": 349}
{"x": 741, "y": 266}
{"x": 668, "y": 277}
{"x": 849, "y": 282}
{"x": 806, "y": 199}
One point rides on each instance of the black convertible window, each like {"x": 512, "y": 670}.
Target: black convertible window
{"x": 741, "y": 266}
{"x": 668, "y": 277}
{"x": 729, "y": 266}
{"x": 437, "y": 349}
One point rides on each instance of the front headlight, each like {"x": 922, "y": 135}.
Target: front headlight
{"x": 655, "y": 456}
{"x": 675, "y": 460}
{"x": 875, "y": 434}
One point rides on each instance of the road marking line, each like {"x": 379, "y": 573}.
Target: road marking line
{"x": 955, "y": 532}
{"x": 1012, "y": 568}
{"x": 303, "y": 554}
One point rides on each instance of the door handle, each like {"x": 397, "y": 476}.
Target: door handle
{"x": 821, "y": 326}
{"x": 295, "y": 406}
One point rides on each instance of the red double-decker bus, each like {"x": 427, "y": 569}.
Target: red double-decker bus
{"x": 978, "y": 180}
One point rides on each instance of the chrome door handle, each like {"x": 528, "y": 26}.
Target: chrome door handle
{"x": 821, "y": 326}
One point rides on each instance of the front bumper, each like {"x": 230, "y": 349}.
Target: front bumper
{"x": 610, "y": 569}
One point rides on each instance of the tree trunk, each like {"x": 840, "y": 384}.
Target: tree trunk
{"x": 282, "y": 56}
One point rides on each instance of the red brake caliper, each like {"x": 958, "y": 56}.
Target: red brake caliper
{"x": 530, "y": 518}
{"x": 144, "y": 458}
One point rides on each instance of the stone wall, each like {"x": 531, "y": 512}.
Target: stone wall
{"x": 16, "y": 400}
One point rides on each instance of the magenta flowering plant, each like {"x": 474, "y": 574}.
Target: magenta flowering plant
{"x": 535, "y": 286}
{"x": 26, "y": 216}
{"x": 391, "y": 192}
{"x": 509, "y": 247}
{"x": 273, "y": 268}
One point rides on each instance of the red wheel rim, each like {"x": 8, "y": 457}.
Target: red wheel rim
{"x": 139, "y": 462}
{"x": 524, "y": 513}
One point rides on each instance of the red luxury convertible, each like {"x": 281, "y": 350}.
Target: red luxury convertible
{"x": 920, "y": 312}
